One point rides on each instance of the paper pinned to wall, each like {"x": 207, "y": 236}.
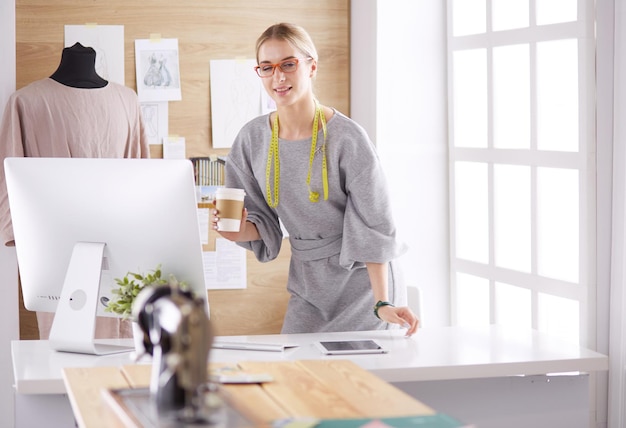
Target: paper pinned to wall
{"x": 236, "y": 98}
{"x": 225, "y": 268}
{"x": 107, "y": 41}
{"x": 174, "y": 147}
{"x": 158, "y": 70}
{"x": 155, "y": 120}
{"x": 204, "y": 225}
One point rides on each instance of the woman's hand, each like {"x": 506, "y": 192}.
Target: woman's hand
{"x": 247, "y": 230}
{"x": 402, "y": 315}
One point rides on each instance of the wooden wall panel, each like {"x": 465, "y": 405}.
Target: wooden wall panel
{"x": 208, "y": 29}
{"x": 260, "y": 308}
{"x": 205, "y": 30}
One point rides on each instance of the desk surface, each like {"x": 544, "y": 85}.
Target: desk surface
{"x": 442, "y": 353}
{"x": 341, "y": 389}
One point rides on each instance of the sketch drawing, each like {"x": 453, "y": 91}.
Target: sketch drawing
{"x": 157, "y": 68}
{"x": 107, "y": 41}
{"x": 150, "y": 120}
{"x": 158, "y": 73}
{"x": 235, "y": 98}
{"x": 155, "y": 121}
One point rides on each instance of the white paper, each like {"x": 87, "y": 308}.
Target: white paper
{"x": 155, "y": 120}
{"x": 174, "y": 148}
{"x": 236, "y": 98}
{"x": 158, "y": 70}
{"x": 225, "y": 268}
{"x": 203, "y": 222}
{"x": 107, "y": 41}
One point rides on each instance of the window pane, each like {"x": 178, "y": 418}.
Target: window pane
{"x": 472, "y": 299}
{"x": 470, "y": 98}
{"x": 557, "y": 95}
{"x": 468, "y": 17}
{"x": 511, "y": 97}
{"x": 471, "y": 211}
{"x": 513, "y": 306}
{"x": 512, "y": 217}
{"x": 509, "y": 14}
{"x": 557, "y": 223}
{"x": 555, "y": 11}
{"x": 559, "y": 317}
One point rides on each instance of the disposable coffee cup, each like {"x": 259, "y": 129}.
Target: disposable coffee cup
{"x": 229, "y": 203}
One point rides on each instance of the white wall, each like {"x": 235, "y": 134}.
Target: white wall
{"x": 604, "y": 192}
{"x": 617, "y": 329}
{"x": 9, "y": 323}
{"x": 398, "y": 93}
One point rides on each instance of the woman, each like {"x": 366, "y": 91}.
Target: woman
{"x": 316, "y": 171}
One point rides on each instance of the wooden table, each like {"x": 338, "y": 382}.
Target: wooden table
{"x": 304, "y": 388}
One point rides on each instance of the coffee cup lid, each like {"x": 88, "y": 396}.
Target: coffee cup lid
{"x": 230, "y": 190}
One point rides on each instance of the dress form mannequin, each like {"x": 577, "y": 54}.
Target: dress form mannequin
{"x": 67, "y": 116}
{"x": 77, "y": 68}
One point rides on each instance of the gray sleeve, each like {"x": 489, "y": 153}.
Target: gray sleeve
{"x": 259, "y": 213}
{"x": 369, "y": 232}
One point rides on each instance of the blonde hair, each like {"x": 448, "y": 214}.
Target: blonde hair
{"x": 292, "y": 34}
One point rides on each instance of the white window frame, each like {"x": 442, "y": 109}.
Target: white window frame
{"x": 583, "y": 161}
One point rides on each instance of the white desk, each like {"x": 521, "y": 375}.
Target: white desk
{"x": 441, "y": 367}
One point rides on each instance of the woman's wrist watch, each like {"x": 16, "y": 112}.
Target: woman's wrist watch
{"x": 379, "y": 305}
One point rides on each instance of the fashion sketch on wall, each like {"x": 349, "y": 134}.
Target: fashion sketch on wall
{"x": 155, "y": 115}
{"x": 158, "y": 71}
{"x": 107, "y": 41}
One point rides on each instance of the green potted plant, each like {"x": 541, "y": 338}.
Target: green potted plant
{"x": 129, "y": 287}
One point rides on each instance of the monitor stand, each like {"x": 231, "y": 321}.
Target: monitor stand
{"x": 74, "y": 325}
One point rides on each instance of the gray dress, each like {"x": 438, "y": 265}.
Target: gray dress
{"x": 330, "y": 240}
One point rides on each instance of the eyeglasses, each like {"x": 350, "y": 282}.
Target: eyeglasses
{"x": 286, "y": 66}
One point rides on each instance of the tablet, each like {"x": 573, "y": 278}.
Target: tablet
{"x": 344, "y": 347}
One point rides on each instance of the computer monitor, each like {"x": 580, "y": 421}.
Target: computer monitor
{"x": 80, "y": 223}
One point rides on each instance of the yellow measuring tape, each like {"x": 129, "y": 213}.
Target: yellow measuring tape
{"x": 274, "y": 161}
